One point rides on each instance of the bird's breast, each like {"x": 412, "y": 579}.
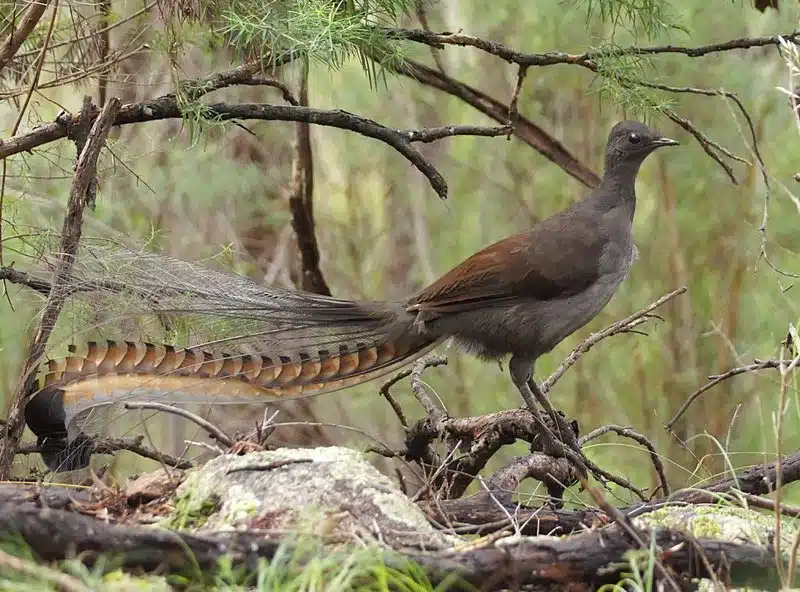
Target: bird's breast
{"x": 617, "y": 256}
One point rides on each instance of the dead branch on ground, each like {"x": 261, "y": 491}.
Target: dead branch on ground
{"x": 586, "y": 560}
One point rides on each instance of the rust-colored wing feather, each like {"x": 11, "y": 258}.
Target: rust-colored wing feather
{"x": 521, "y": 266}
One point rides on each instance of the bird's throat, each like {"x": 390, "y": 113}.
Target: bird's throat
{"x": 617, "y": 189}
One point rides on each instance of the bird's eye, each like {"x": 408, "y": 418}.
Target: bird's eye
{"x": 634, "y": 138}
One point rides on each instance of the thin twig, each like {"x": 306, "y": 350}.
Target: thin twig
{"x": 215, "y": 432}
{"x": 398, "y": 410}
{"x": 429, "y": 362}
{"x": 716, "y": 379}
{"x": 705, "y": 142}
{"x": 641, "y": 439}
{"x": 513, "y": 113}
{"x": 623, "y": 326}
{"x": 418, "y": 388}
{"x": 762, "y": 229}
{"x": 263, "y": 81}
{"x": 423, "y": 20}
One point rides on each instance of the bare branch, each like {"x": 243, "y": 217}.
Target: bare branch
{"x": 167, "y": 106}
{"x": 644, "y": 441}
{"x": 103, "y": 445}
{"x": 26, "y": 279}
{"x": 432, "y": 134}
{"x": 419, "y": 389}
{"x": 513, "y": 113}
{"x": 758, "y": 480}
{"x": 524, "y": 129}
{"x": 194, "y": 89}
{"x": 246, "y": 74}
{"x": 430, "y": 362}
{"x": 706, "y": 143}
{"x": 212, "y": 430}
{"x": 623, "y": 326}
{"x": 716, "y": 379}
{"x": 301, "y": 200}
{"x": 85, "y": 172}
{"x": 286, "y": 92}
{"x": 589, "y": 61}
{"x": 582, "y": 59}
{"x": 17, "y": 37}
{"x": 556, "y": 473}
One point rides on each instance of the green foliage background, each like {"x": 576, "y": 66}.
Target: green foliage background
{"x": 192, "y": 189}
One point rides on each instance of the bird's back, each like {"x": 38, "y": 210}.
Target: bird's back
{"x": 526, "y": 293}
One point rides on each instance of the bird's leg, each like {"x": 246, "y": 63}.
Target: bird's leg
{"x": 520, "y": 370}
{"x": 565, "y": 432}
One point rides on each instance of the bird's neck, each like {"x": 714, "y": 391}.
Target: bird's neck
{"x": 618, "y": 188}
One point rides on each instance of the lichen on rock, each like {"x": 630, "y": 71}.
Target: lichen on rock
{"x": 329, "y": 492}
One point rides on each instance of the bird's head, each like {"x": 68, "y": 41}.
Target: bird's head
{"x": 630, "y": 142}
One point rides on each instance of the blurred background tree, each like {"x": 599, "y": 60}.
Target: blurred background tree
{"x": 193, "y": 186}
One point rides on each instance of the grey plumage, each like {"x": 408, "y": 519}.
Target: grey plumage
{"x": 524, "y": 294}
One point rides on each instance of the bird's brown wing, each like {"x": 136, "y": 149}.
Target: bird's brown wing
{"x": 545, "y": 263}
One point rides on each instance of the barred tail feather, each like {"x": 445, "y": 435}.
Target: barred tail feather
{"x": 111, "y": 373}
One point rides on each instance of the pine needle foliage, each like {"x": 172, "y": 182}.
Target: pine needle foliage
{"x": 327, "y": 32}
{"x": 650, "y": 17}
{"x": 617, "y": 79}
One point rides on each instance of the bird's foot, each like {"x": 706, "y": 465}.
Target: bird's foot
{"x": 558, "y": 437}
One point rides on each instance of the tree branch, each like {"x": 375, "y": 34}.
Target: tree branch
{"x": 213, "y": 431}
{"x": 591, "y": 558}
{"x": 17, "y": 37}
{"x": 589, "y": 60}
{"x": 524, "y": 129}
{"x": 717, "y": 378}
{"x": 26, "y": 279}
{"x": 586, "y": 58}
{"x": 85, "y": 172}
{"x": 641, "y": 439}
{"x": 622, "y": 326}
{"x": 167, "y": 107}
{"x": 103, "y": 445}
{"x": 301, "y": 200}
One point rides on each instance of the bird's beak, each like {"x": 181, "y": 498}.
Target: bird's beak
{"x": 665, "y": 142}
